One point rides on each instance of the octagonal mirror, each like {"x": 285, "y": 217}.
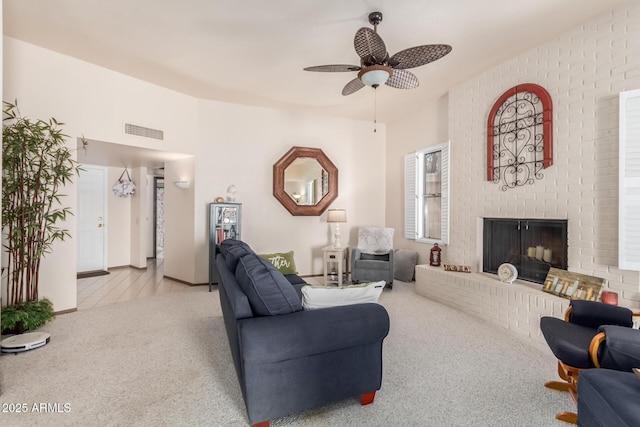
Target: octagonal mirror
{"x": 305, "y": 181}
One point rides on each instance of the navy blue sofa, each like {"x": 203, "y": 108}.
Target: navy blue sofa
{"x": 608, "y": 398}
{"x": 288, "y": 359}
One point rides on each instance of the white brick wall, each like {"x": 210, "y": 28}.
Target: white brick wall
{"x": 517, "y": 307}
{"x": 583, "y": 70}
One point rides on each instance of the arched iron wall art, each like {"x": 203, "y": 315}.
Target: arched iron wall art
{"x": 519, "y": 136}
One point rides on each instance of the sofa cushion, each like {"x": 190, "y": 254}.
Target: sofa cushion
{"x": 233, "y": 250}
{"x": 371, "y": 264}
{"x": 282, "y": 261}
{"x": 269, "y": 292}
{"x": 314, "y": 297}
{"x": 568, "y": 342}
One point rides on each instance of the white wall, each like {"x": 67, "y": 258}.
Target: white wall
{"x": 118, "y": 224}
{"x": 239, "y": 146}
{"x": 2, "y": 286}
{"x": 139, "y": 218}
{"x": 231, "y": 144}
{"x": 93, "y": 102}
{"x": 583, "y": 70}
{"x": 179, "y": 249}
{"x": 425, "y": 128}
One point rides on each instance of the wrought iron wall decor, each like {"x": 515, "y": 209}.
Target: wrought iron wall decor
{"x": 519, "y": 136}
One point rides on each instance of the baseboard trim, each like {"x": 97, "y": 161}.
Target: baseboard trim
{"x": 120, "y": 267}
{"x": 184, "y": 282}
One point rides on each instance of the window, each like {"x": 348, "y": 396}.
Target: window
{"x": 427, "y": 195}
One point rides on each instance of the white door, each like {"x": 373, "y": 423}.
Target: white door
{"x": 92, "y": 184}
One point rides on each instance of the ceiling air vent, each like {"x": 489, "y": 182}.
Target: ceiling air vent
{"x": 142, "y": 131}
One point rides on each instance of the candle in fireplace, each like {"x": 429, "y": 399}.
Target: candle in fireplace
{"x": 547, "y": 255}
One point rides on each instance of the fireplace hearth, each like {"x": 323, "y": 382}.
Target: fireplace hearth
{"x": 533, "y": 246}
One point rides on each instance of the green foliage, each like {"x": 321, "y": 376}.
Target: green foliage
{"x": 36, "y": 165}
{"x": 28, "y": 316}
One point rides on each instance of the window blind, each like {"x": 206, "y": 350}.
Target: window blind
{"x": 410, "y": 204}
{"x": 629, "y": 176}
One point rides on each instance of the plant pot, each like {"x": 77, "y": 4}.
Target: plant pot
{"x": 18, "y": 328}
{"x": 27, "y": 316}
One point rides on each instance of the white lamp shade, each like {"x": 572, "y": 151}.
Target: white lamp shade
{"x": 336, "y": 215}
{"x": 375, "y": 75}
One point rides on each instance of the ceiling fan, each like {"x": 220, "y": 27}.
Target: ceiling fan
{"x": 377, "y": 67}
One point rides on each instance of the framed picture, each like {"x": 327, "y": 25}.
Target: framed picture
{"x": 571, "y": 285}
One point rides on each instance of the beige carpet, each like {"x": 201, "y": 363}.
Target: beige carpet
{"x": 165, "y": 361}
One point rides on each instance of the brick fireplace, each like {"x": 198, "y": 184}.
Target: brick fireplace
{"x": 582, "y": 185}
{"x": 531, "y": 245}
{"x": 516, "y": 307}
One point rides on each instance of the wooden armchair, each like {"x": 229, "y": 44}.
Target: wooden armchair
{"x": 592, "y": 335}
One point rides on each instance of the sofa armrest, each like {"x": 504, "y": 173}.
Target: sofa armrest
{"x": 592, "y": 314}
{"x": 274, "y": 338}
{"x": 621, "y": 348}
{"x": 355, "y": 255}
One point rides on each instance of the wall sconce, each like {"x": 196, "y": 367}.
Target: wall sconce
{"x": 337, "y": 216}
{"x": 182, "y": 183}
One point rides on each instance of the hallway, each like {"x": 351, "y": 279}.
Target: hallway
{"x": 124, "y": 284}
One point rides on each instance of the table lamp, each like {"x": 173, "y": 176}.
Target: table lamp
{"x": 337, "y": 216}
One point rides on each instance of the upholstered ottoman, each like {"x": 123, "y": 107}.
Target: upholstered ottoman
{"x": 405, "y": 265}
{"x": 608, "y": 398}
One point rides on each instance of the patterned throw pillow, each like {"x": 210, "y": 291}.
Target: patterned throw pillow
{"x": 283, "y": 262}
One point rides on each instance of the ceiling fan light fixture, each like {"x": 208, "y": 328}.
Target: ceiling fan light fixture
{"x": 375, "y": 75}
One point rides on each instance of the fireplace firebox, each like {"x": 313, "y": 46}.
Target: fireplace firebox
{"x": 531, "y": 245}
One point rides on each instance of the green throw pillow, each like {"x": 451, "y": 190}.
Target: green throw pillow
{"x": 284, "y": 262}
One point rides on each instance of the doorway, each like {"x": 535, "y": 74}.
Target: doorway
{"x": 158, "y": 217}
{"x": 91, "y": 253}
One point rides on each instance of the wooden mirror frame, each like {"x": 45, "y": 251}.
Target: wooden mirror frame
{"x": 286, "y": 200}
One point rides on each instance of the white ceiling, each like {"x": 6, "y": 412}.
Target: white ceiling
{"x": 253, "y": 51}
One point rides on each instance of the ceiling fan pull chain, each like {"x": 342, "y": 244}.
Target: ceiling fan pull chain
{"x": 375, "y": 109}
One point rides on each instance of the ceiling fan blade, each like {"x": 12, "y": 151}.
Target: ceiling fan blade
{"x": 333, "y": 68}
{"x": 368, "y": 43}
{"x": 402, "y": 79}
{"x": 418, "y": 55}
{"x": 353, "y": 86}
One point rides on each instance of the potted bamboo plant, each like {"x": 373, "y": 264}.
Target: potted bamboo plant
{"x": 36, "y": 166}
